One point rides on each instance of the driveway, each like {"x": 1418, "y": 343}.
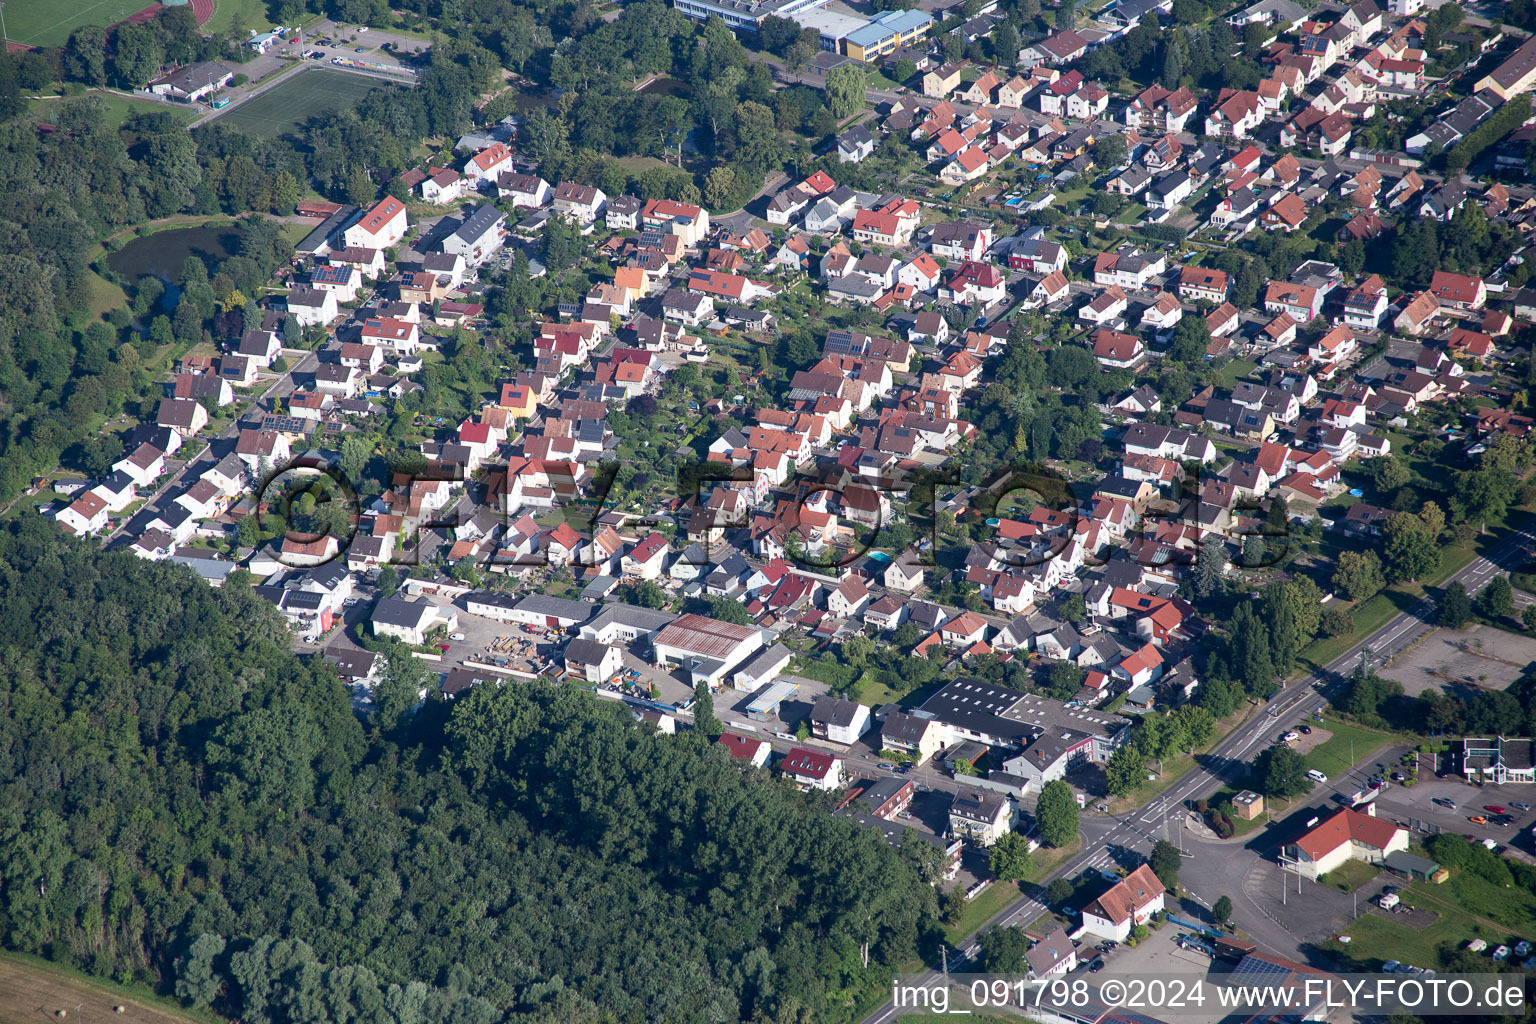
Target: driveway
{"x": 1311, "y": 913}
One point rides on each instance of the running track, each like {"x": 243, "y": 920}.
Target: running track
{"x": 202, "y": 10}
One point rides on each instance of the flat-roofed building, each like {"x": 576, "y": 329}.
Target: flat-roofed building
{"x": 1497, "y": 760}
{"x": 743, "y": 14}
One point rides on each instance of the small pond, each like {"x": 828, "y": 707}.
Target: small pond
{"x": 163, "y": 253}
{"x": 664, "y": 86}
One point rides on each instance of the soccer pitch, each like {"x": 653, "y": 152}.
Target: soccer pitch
{"x": 296, "y": 99}
{"x": 49, "y": 23}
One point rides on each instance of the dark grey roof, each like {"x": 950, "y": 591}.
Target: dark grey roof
{"x": 194, "y": 77}
{"x": 582, "y": 651}
{"x": 478, "y": 223}
{"x": 858, "y": 135}
{"x": 977, "y": 805}
{"x": 349, "y": 662}
{"x": 540, "y": 604}
{"x": 834, "y": 711}
{"x": 398, "y": 611}
{"x": 631, "y": 615}
{"x": 774, "y": 658}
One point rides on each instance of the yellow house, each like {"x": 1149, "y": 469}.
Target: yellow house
{"x": 633, "y": 280}
{"x": 518, "y": 399}
{"x": 887, "y": 32}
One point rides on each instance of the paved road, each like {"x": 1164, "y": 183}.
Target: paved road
{"x": 206, "y": 458}
{"x": 1144, "y": 826}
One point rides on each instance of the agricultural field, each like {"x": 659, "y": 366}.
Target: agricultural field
{"x": 32, "y": 990}
{"x": 290, "y": 103}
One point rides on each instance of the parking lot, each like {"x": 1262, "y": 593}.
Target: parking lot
{"x": 1476, "y": 656}
{"x": 1416, "y": 808}
{"x": 1156, "y": 956}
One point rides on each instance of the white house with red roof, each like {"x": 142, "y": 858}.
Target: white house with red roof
{"x": 1344, "y": 836}
{"x": 1129, "y": 902}
{"x": 84, "y": 516}
{"x": 1140, "y": 667}
{"x": 381, "y": 227}
{"x": 647, "y": 558}
{"x": 976, "y": 282}
{"x": 399, "y": 336}
{"x": 812, "y": 769}
{"x": 690, "y": 223}
{"x": 751, "y": 750}
{"x": 1203, "y": 283}
{"x": 1458, "y": 291}
{"x": 489, "y": 164}
{"x": 1236, "y": 113}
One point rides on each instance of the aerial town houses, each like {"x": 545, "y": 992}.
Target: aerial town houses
{"x": 916, "y": 295}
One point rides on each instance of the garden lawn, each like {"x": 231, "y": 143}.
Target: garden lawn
{"x": 119, "y": 107}
{"x": 1467, "y": 906}
{"x": 980, "y": 910}
{"x": 1352, "y": 874}
{"x": 1348, "y": 746}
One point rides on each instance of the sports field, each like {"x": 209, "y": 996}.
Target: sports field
{"x": 296, "y": 99}
{"x": 49, "y": 22}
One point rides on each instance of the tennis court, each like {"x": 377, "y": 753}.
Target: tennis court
{"x": 290, "y": 103}
{"x": 49, "y": 22}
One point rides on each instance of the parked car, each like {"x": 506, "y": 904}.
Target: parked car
{"x": 1305, "y": 730}
{"x": 1316, "y": 776}
{"x": 1291, "y": 737}
{"x": 1517, "y": 805}
{"x": 1391, "y": 966}
{"x": 1522, "y": 948}
{"x": 1096, "y": 967}
{"x": 1493, "y": 808}
{"x": 1501, "y": 954}
{"x": 455, "y": 636}
{"x": 442, "y": 647}
{"x": 1477, "y": 819}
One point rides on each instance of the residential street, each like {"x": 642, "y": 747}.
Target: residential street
{"x": 205, "y": 458}
{"x": 1209, "y": 864}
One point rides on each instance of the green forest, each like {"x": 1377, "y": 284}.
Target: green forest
{"x": 185, "y": 802}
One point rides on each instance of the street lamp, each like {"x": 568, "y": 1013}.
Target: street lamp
{"x": 4, "y": 38}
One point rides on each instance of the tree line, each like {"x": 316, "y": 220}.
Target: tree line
{"x": 186, "y": 803}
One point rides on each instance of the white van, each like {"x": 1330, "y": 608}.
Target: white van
{"x": 1316, "y": 776}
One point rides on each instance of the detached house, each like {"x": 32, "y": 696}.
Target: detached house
{"x": 1458, "y": 291}
{"x": 1235, "y": 115}
{"x": 976, "y": 283}
{"x": 961, "y": 240}
{"x": 1198, "y": 284}
{"x": 1128, "y": 903}
{"x": 381, "y": 227}
{"x": 311, "y": 306}
{"x": 1302, "y": 302}
{"x": 581, "y": 203}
